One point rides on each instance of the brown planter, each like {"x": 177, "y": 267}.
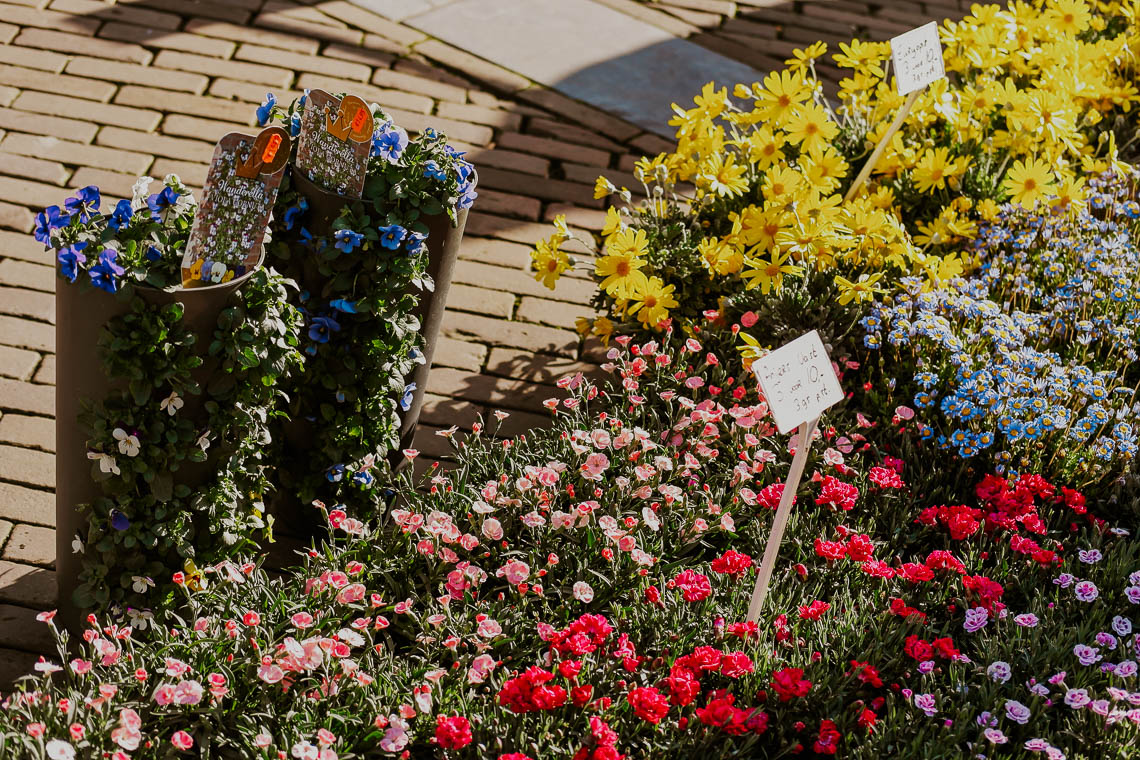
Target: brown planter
{"x": 81, "y": 312}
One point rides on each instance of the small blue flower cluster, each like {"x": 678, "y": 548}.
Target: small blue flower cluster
{"x": 1024, "y": 355}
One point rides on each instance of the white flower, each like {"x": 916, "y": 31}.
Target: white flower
{"x": 128, "y": 443}
{"x": 583, "y": 593}
{"x": 172, "y": 403}
{"x": 139, "y": 619}
{"x": 76, "y": 545}
{"x": 57, "y": 749}
{"x": 43, "y": 666}
{"x": 140, "y": 192}
{"x": 107, "y": 463}
{"x": 204, "y": 441}
{"x": 141, "y": 584}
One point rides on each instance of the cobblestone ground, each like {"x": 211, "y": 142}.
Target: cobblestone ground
{"x": 99, "y": 93}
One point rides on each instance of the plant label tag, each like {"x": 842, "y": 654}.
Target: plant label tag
{"x": 237, "y": 199}
{"x": 798, "y": 381}
{"x": 917, "y": 58}
{"x": 335, "y": 142}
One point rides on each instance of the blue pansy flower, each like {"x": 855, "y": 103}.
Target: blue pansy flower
{"x": 121, "y": 216}
{"x": 467, "y": 195}
{"x": 347, "y": 240}
{"x": 152, "y": 254}
{"x": 70, "y": 258}
{"x": 409, "y": 394}
{"x": 265, "y": 110}
{"x": 389, "y": 142}
{"x": 159, "y": 202}
{"x": 295, "y": 125}
{"x": 391, "y": 236}
{"x": 85, "y": 203}
{"x": 348, "y": 307}
{"x": 322, "y": 328}
{"x": 363, "y": 478}
{"x": 293, "y": 212}
{"x": 414, "y": 242}
{"x": 335, "y": 473}
{"x": 432, "y": 169}
{"x": 119, "y": 521}
{"x": 47, "y": 220}
{"x": 104, "y": 273}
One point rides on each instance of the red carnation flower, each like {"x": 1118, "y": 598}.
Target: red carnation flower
{"x": 814, "y": 611}
{"x": 918, "y": 648}
{"x": 453, "y": 732}
{"x": 836, "y": 494}
{"x": 790, "y": 683}
{"x": 735, "y": 664}
{"x": 885, "y": 477}
{"x": 828, "y": 741}
{"x": 732, "y": 563}
{"x": 648, "y": 704}
{"x": 860, "y": 547}
{"x": 694, "y": 586}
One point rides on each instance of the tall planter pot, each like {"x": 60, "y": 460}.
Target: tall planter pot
{"x": 444, "y": 240}
{"x": 80, "y": 316}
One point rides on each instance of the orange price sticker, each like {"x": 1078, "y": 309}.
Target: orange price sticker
{"x": 271, "y": 147}
{"x": 358, "y": 120}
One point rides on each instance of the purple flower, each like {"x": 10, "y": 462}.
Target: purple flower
{"x": 1106, "y": 639}
{"x": 121, "y": 216}
{"x": 119, "y": 521}
{"x": 999, "y": 671}
{"x": 389, "y": 142}
{"x": 48, "y": 220}
{"x": 1028, "y": 620}
{"x": 391, "y": 236}
{"x": 995, "y": 736}
{"x": 1086, "y": 655}
{"x": 161, "y": 201}
{"x": 322, "y": 329}
{"x": 1064, "y": 580}
{"x": 1133, "y": 594}
{"x": 1036, "y": 745}
{"x": 1016, "y": 711}
{"x": 1039, "y": 689}
{"x": 104, "y": 274}
{"x": 927, "y": 666}
{"x": 925, "y": 702}
{"x": 1126, "y": 669}
{"x": 1122, "y": 625}
{"x": 1100, "y": 706}
{"x": 1077, "y": 698}
{"x": 1057, "y": 678}
{"x": 84, "y": 204}
{"x": 1086, "y": 591}
{"x": 1090, "y": 556}
{"x": 976, "y": 619}
{"x": 70, "y": 258}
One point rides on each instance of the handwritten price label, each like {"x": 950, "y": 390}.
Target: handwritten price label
{"x": 917, "y": 58}
{"x": 798, "y": 381}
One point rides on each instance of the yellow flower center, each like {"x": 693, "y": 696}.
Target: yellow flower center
{"x": 1030, "y": 184}
{"x": 651, "y": 301}
{"x": 622, "y": 268}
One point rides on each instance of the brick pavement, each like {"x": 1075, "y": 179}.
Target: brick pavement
{"x": 95, "y": 92}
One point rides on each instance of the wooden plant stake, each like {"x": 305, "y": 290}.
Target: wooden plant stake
{"x": 917, "y": 60}
{"x": 799, "y": 383}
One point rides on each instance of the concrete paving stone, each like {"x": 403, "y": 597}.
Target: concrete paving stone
{"x": 68, "y": 129}
{"x": 518, "y": 422}
{"x": 149, "y": 76}
{"x": 460, "y": 130}
{"x": 25, "y": 166}
{"x": 498, "y": 252}
{"x": 431, "y": 445}
{"x": 542, "y": 126}
{"x": 519, "y": 282}
{"x": 29, "y": 587}
{"x": 459, "y": 354}
{"x": 20, "y": 630}
{"x": 509, "y": 204}
{"x": 253, "y": 36}
{"x": 499, "y": 332}
{"x": 399, "y": 80}
{"x": 37, "y": 195}
{"x": 193, "y": 174}
{"x": 271, "y": 76}
{"x": 496, "y": 392}
{"x": 20, "y": 396}
{"x": 588, "y": 175}
{"x": 15, "y": 217}
{"x": 18, "y": 302}
{"x": 250, "y": 93}
{"x": 24, "y": 274}
{"x": 309, "y": 63}
{"x": 15, "y": 664}
{"x": 556, "y": 313}
{"x": 23, "y": 333}
{"x": 167, "y": 40}
{"x": 583, "y": 218}
{"x": 536, "y": 368}
{"x": 446, "y": 411}
{"x": 490, "y": 303}
{"x": 46, "y": 371}
{"x": 31, "y": 58}
{"x": 118, "y": 12}
{"x": 26, "y": 430}
{"x": 508, "y": 159}
{"x": 659, "y": 19}
{"x": 8, "y": 32}
{"x": 236, "y": 13}
{"x": 7, "y": 95}
{"x": 76, "y": 154}
{"x": 719, "y": 7}
{"x": 489, "y": 225}
{"x": 17, "y": 363}
{"x": 80, "y": 45}
{"x": 178, "y": 125}
{"x": 113, "y": 185}
{"x": 302, "y": 11}
{"x": 418, "y": 66}
{"x": 364, "y": 18}
{"x": 34, "y": 468}
{"x": 31, "y": 545}
{"x": 149, "y": 142}
{"x": 61, "y": 84}
{"x": 47, "y": 19}
{"x": 701, "y": 19}
{"x": 26, "y": 505}
{"x": 101, "y": 113}
{"x": 5, "y": 531}
{"x": 398, "y": 10}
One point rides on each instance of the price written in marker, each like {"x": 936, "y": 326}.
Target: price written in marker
{"x": 798, "y": 381}
{"x": 917, "y": 58}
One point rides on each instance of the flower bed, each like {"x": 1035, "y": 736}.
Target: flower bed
{"x": 960, "y": 577}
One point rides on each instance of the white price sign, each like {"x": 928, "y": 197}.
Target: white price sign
{"x": 917, "y": 58}
{"x": 798, "y": 381}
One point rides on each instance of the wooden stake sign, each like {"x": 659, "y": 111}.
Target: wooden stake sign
{"x": 800, "y": 384}
{"x": 916, "y": 57}
{"x": 335, "y": 142}
{"x": 237, "y": 198}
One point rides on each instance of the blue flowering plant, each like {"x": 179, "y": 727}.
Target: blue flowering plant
{"x": 1030, "y": 361}
{"x": 139, "y": 240}
{"x": 363, "y": 276}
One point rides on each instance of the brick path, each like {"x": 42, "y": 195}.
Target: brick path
{"x": 98, "y": 93}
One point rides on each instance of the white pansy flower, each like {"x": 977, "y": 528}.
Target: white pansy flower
{"x": 204, "y": 440}
{"x": 172, "y": 403}
{"x": 128, "y": 443}
{"x": 140, "y": 192}
{"x": 107, "y": 463}
{"x": 141, "y": 584}
{"x": 77, "y": 545}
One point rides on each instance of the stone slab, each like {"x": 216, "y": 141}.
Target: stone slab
{"x": 588, "y": 51}
{"x": 398, "y": 10}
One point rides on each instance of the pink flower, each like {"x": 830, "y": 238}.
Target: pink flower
{"x": 251, "y": 618}
{"x": 594, "y": 466}
{"x": 492, "y": 529}
{"x": 35, "y": 729}
{"x": 57, "y": 749}
{"x": 694, "y": 586}
{"x": 302, "y": 620}
{"x": 188, "y": 693}
{"x": 46, "y": 617}
{"x": 351, "y": 594}
{"x": 164, "y": 694}
{"x": 489, "y": 628}
{"x": 262, "y": 740}
{"x": 270, "y": 673}
{"x": 453, "y": 732}
{"x": 583, "y": 592}
{"x": 182, "y": 740}
{"x": 516, "y": 572}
